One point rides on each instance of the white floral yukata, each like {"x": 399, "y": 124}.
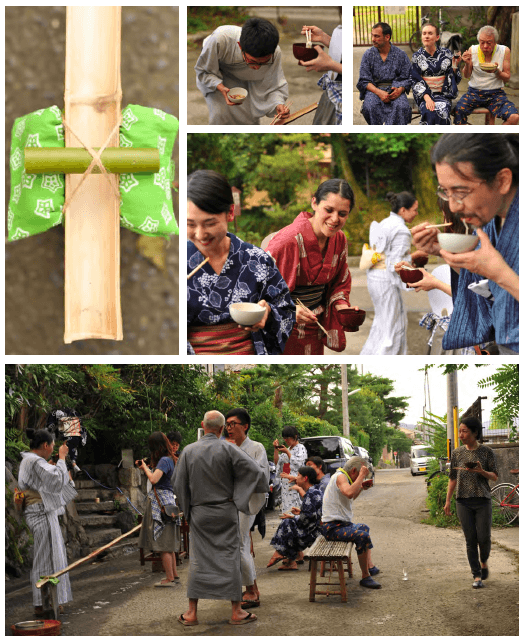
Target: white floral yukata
{"x": 291, "y": 498}
{"x": 438, "y": 64}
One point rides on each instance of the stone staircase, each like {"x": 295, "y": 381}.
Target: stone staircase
{"x": 97, "y": 518}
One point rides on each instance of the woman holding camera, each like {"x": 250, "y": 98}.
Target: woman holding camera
{"x": 160, "y": 530}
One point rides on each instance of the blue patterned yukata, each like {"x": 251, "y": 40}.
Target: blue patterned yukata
{"x": 295, "y": 534}
{"x": 424, "y": 66}
{"x": 477, "y": 319}
{"x": 389, "y": 74}
{"x": 248, "y": 275}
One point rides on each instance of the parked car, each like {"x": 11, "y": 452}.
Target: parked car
{"x": 274, "y": 496}
{"x": 420, "y": 455}
{"x": 334, "y": 450}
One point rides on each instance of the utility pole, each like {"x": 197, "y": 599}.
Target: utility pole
{"x": 344, "y": 399}
{"x": 452, "y": 409}
{"x": 344, "y": 387}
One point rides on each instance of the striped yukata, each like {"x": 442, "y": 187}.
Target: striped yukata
{"x": 56, "y": 490}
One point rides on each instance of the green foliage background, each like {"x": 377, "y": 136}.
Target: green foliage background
{"x": 289, "y": 168}
{"x": 121, "y": 406}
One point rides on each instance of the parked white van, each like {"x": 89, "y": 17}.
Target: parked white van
{"x": 419, "y": 458}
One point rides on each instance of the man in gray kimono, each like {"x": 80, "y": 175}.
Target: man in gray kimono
{"x": 215, "y": 480}
{"x": 238, "y": 424}
{"x": 247, "y": 57}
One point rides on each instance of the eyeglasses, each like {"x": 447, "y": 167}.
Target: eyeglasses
{"x": 231, "y": 424}
{"x": 251, "y": 61}
{"x": 458, "y": 196}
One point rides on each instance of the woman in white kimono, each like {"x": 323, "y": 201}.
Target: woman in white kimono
{"x": 288, "y": 459}
{"x": 47, "y": 490}
{"x": 392, "y": 239}
{"x": 247, "y": 57}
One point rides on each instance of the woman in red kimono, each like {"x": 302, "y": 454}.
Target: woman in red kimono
{"x": 311, "y": 254}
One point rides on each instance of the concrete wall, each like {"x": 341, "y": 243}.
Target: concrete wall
{"x": 507, "y": 458}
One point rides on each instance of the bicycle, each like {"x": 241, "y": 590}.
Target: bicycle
{"x": 415, "y": 39}
{"x": 506, "y": 499}
{"x": 443, "y": 470}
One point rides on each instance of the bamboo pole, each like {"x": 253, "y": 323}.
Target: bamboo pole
{"x": 92, "y": 109}
{"x": 75, "y": 160}
{"x": 46, "y": 579}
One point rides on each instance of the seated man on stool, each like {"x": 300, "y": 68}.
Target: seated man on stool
{"x": 337, "y": 525}
{"x": 294, "y": 534}
{"x": 485, "y": 88}
{"x": 384, "y": 80}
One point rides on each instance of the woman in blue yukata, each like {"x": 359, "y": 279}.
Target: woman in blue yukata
{"x": 235, "y": 272}
{"x": 435, "y": 77}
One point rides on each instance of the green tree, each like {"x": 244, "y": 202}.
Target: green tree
{"x": 506, "y": 384}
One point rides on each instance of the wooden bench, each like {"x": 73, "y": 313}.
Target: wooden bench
{"x": 336, "y": 553}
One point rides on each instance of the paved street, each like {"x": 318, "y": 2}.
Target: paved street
{"x": 117, "y": 597}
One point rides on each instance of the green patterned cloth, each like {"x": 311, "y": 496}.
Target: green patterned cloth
{"x": 146, "y": 204}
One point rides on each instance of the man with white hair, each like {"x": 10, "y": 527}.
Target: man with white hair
{"x": 337, "y": 524}
{"x": 215, "y": 480}
{"x": 486, "y": 83}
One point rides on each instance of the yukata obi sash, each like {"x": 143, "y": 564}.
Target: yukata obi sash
{"x": 435, "y": 83}
{"x": 222, "y": 338}
{"x": 146, "y": 206}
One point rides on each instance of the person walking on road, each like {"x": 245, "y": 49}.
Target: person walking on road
{"x": 471, "y": 467}
{"x": 215, "y": 480}
{"x": 337, "y": 525}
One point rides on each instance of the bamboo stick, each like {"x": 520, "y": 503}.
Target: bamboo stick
{"x": 308, "y": 310}
{"x": 75, "y": 160}
{"x": 198, "y": 267}
{"x": 44, "y": 580}
{"x": 92, "y": 109}
{"x": 298, "y": 114}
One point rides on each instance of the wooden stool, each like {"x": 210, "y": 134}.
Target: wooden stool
{"x": 336, "y": 553}
{"x": 489, "y": 118}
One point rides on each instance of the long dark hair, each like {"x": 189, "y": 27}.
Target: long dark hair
{"x": 488, "y": 153}
{"x": 403, "y": 199}
{"x": 210, "y": 191}
{"x": 159, "y": 446}
{"x": 335, "y": 186}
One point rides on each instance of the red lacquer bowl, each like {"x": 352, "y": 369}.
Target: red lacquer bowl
{"x": 410, "y": 276}
{"x": 302, "y": 52}
{"x": 351, "y": 319}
